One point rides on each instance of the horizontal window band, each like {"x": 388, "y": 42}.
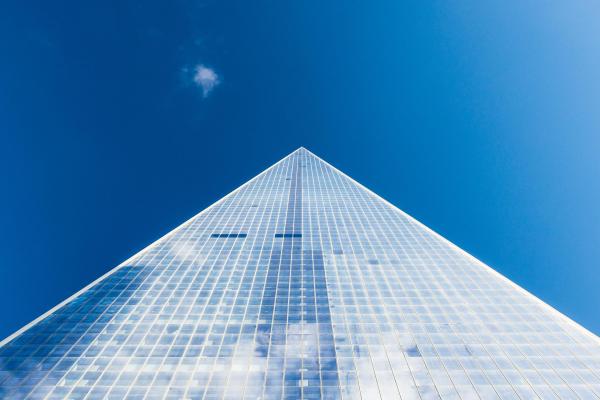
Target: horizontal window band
{"x": 228, "y": 235}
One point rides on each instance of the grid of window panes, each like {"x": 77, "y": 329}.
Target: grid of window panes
{"x": 302, "y": 284}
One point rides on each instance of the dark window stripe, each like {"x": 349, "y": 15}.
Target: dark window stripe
{"x": 288, "y": 235}
{"x": 228, "y": 235}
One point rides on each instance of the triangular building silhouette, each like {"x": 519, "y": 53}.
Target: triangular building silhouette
{"x": 301, "y": 284}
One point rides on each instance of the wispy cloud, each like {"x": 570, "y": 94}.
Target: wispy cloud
{"x": 206, "y": 78}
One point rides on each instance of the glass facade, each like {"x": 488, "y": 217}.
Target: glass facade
{"x": 301, "y": 284}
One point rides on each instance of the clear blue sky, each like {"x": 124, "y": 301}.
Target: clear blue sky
{"x": 481, "y": 119}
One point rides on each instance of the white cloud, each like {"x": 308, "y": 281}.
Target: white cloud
{"x": 206, "y": 78}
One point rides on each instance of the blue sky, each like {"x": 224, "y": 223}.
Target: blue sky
{"x": 119, "y": 120}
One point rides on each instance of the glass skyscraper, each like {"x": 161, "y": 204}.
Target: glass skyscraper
{"x": 301, "y": 284}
